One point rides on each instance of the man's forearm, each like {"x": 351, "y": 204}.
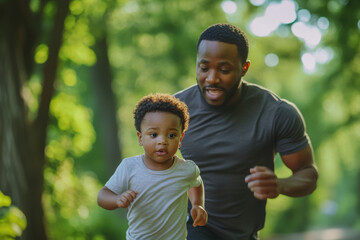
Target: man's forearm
{"x": 301, "y": 183}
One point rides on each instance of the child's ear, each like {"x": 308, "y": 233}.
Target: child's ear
{"x": 140, "y": 138}
{"x": 181, "y": 138}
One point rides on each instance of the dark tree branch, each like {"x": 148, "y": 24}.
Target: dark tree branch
{"x": 50, "y": 69}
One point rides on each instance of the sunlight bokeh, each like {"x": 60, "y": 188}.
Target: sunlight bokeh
{"x": 286, "y": 13}
{"x": 229, "y": 7}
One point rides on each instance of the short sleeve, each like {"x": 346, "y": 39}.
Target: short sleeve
{"x": 290, "y": 131}
{"x": 117, "y": 182}
{"x": 196, "y": 180}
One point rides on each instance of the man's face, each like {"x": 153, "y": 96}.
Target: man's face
{"x": 219, "y": 71}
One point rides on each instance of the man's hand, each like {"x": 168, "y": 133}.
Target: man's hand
{"x": 199, "y": 215}
{"x": 124, "y": 200}
{"x": 263, "y": 183}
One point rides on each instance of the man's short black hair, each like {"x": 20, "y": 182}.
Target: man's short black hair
{"x": 228, "y": 33}
{"x": 160, "y": 102}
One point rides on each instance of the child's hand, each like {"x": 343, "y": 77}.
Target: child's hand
{"x": 199, "y": 215}
{"x": 124, "y": 200}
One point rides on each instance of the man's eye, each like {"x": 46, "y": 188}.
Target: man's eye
{"x": 225, "y": 71}
{"x": 153, "y": 135}
{"x": 203, "y": 68}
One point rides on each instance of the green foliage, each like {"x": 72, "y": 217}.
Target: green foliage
{"x": 70, "y": 197}
{"x": 74, "y": 125}
{"x": 12, "y": 220}
{"x": 72, "y": 210}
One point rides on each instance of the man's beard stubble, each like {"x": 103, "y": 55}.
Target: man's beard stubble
{"x": 228, "y": 95}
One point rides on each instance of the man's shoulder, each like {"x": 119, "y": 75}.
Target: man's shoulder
{"x": 192, "y": 97}
{"x": 260, "y": 94}
{"x": 187, "y": 92}
{"x": 253, "y": 90}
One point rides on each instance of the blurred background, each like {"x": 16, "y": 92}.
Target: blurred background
{"x": 73, "y": 70}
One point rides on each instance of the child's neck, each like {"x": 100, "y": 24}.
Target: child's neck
{"x": 158, "y": 166}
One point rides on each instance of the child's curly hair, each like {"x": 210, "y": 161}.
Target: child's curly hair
{"x": 161, "y": 102}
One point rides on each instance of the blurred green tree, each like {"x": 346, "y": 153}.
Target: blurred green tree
{"x": 23, "y": 141}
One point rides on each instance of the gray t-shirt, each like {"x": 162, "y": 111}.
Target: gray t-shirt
{"x": 225, "y": 142}
{"x": 159, "y": 211}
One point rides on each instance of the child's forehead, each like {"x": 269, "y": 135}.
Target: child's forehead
{"x": 161, "y": 118}
{"x": 161, "y": 114}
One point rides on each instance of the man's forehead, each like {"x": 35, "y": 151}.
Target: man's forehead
{"x": 216, "y": 49}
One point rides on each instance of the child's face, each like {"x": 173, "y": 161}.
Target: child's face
{"x": 161, "y": 135}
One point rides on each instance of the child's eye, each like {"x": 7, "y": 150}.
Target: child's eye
{"x": 153, "y": 135}
{"x": 172, "y": 135}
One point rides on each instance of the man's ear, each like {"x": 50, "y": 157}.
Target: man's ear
{"x": 245, "y": 68}
{"x": 140, "y": 138}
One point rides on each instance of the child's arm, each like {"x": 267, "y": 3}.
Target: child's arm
{"x": 198, "y": 213}
{"x": 109, "y": 200}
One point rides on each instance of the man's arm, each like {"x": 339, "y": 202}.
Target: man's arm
{"x": 197, "y": 198}
{"x": 109, "y": 200}
{"x": 264, "y": 183}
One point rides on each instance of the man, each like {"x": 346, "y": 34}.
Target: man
{"x": 235, "y": 131}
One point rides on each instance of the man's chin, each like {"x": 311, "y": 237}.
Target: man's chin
{"x": 215, "y": 102}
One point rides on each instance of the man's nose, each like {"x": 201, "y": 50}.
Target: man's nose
{"x": 212, "y": 77}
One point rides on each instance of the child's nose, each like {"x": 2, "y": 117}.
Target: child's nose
{"x": 162, "y": 140}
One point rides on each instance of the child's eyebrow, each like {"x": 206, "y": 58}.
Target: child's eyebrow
{"x": 151, "y": 128}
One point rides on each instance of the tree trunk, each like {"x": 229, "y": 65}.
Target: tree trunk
{"x": 13, "y": 127}
{"x": 22, "y": 143}
{"x": 106, "y": 106}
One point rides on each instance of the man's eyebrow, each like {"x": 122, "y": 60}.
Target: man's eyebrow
{"x": 203, "y": 61}
{"x": 224, "y": 63}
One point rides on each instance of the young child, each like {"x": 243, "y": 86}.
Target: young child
{"x": 156, "y": 185}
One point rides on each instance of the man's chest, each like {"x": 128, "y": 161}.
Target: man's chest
{"x": 232, "y": 139}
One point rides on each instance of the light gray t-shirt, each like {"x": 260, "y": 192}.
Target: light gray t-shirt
{"x": 160, "y": 209}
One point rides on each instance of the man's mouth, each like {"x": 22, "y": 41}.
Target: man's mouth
{"x": 213, "y": 93}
